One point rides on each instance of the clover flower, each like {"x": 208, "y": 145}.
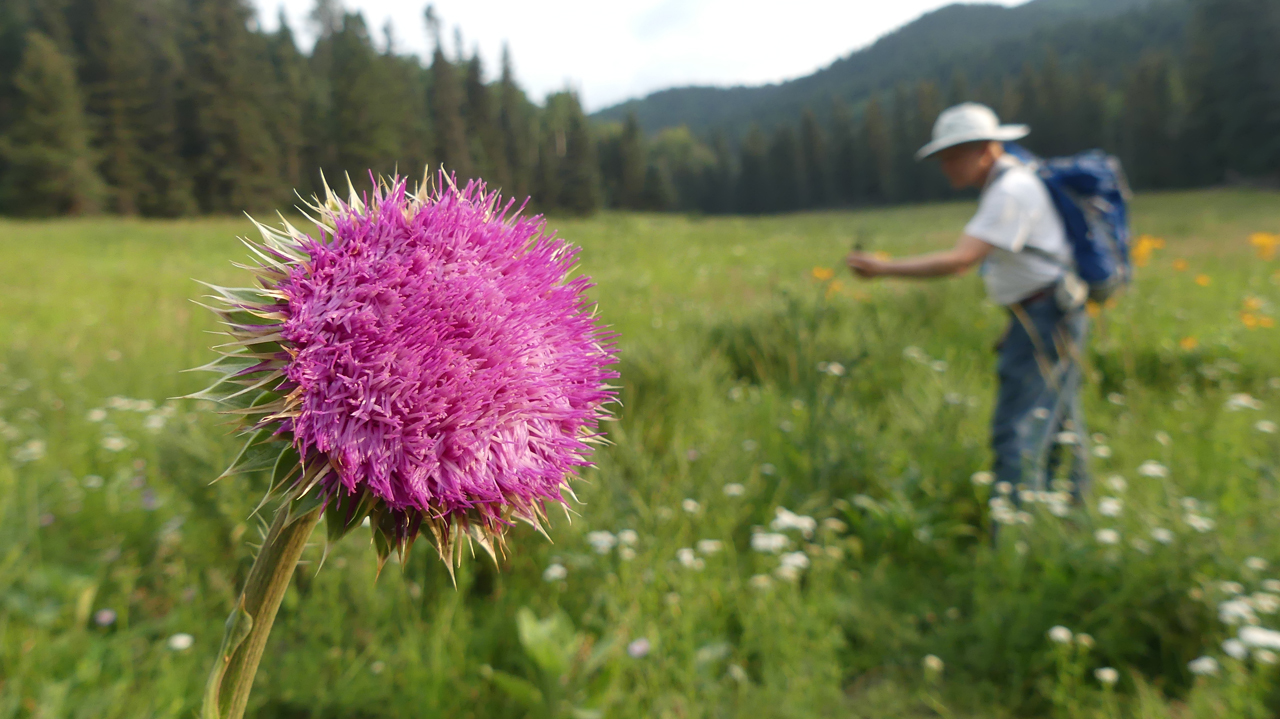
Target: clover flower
{"x": 425, "y": 360}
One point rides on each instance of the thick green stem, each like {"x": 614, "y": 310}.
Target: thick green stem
{"x": 228, "y": 692}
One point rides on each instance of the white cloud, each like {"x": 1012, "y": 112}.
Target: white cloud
{"x": 612, "y": 51}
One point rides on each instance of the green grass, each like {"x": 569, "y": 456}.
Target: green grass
{"x": 722, "y": 328}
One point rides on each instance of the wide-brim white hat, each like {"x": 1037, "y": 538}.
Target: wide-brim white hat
{"x": 969, "y": 122}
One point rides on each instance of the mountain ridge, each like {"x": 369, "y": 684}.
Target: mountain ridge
{"x": 956, "y": 35}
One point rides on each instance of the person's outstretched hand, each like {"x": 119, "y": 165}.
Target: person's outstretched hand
{"x": 865, "y": 265}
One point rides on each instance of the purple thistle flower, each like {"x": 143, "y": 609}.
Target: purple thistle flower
{"x": 427, "y": 358}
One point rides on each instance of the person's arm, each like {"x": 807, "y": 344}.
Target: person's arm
{"x": 968, "y": 252}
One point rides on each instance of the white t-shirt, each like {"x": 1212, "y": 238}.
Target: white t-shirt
{"x": 1015, "y": 212}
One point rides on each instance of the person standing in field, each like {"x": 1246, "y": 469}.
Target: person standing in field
{"x": 1018, "y": 239}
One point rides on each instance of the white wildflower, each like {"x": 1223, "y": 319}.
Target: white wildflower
{"x": 1060, "y": 634}
{"x": 114, "y": 443}
{"x": 982, "y": 479}
{"x": 1163, "y": 438}
{"x": 1260, "y": 638}
{"x": 1265, "y": 426}
{"x": 1242, "y": 400}
{"x": 626, "y": 554}
{"x": 181, "y": 642}
{"x": 1141, "y": 545}
{"x": 1152, "y": 468}
{"x": 1190, "y": 504}
{"x": 1271, "y": 585}
{"x": 1117, "y": 483}
{"x": 1059, "y": 509}
{"x": 1231, "y": 588}
{"x": 628, "y": 537}
{"x": 1235, "y": 648}
{"x": 1162, "y": 535}
{"x": 769, "y": 543}
{"x": 32, "y": 450}
{"x": 734, "y": 489}
{"x": 709, "y": 546}
{"x": 1236, "y": 611}
{"x": 1257, "y": 564}
{"x": 786, "y": 573}
{"x": 785, "y": 519}
{"x": 601, "y": 541}
{"x": 1110, "y": 506}
{"x": 1107, "y": 536}
{"x": 691, "y": 506}
{"x": 835, "y": 369}
{"x": 1106, "y": 675}
{"x": 1199, "y": 523}
{"x": 1116, "y": 398}
{"x": 1004, "y": 488}
{"x": 760, "y": 581}
{"x": 1265, "y": 602}
{"x": 1102, "y": 451}
{"x": 932, "y": 664}
{"x": 688, "y": 559}
{"x": 1264, "y": 656}
{"x": 795, "y": 560}
{"x": 1204, "y": 666}
{"x": 554, "y": 573}
{"x": 97, "y": 414}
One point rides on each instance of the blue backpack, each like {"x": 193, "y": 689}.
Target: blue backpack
{"x": 1091, "y": 194}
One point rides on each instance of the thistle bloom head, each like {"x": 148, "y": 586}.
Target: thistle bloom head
{"x": 426, "y": 359}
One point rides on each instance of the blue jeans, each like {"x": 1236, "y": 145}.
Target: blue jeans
{"x": 1038, "y": 405}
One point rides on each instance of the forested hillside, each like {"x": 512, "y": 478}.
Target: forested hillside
{"x": 1184, "y": 91}
{"x": 178, "y": 107}
{"x": 984, "y": 42}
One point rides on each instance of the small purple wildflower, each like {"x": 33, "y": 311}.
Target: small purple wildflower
{"x": 427, "y": 357}
{"x": 639, "y": 648}
{"x": 104, "y": 617}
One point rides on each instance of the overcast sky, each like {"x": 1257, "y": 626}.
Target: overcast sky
{"x": 611, "y": 51}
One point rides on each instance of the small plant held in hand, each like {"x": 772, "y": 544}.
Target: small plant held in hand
{"x": 426, "y": 361}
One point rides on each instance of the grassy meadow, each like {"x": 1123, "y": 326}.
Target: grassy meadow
{"x": 786, "y": 524}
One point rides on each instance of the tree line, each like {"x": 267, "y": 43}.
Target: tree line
{"x": 1205, "y": 113}
{"x": 177, "y": 107}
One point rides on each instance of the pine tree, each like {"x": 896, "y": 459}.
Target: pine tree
{"x": 453, "y": 148}
{"x": 579, "y": 169}
{"x": 846, "y": 166}
{"x": 813, "y": 154}
{"x": 904, "y": 173}
{"x": 482, "y": 126}
{"x": 877, "y": 144}
{"x": 753, "y": 195}
{"x": 289, "y": 100}
{"x": 1150, "y": 129}
{"x": 1235, "y": 113}
{"x": 787, "y": 188}
{"x": 365, "y": 106}
{"x": 49, "y": 166}
{"x": 227, "y": 141}
{"x": 632, "y": 164}
{"x": 518, "y": 139}
{"x": 931, "y": 183}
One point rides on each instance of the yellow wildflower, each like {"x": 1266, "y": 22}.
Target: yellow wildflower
{"x": 1249, "y": 319}
{"x": 1143, "y": 247}
{"x": 833, "y": 289}
{"x": 1188, "y": 343}
{"x": 1252, "y": 304}
{"x": 1093, "y": 308}
{"x": 823, "y": 274}
{"x": 1266, "y": 321}
{"x": 1204, "y": 280}
{"x": 1266, "y": 244}
{"x": 1180, "y": 265}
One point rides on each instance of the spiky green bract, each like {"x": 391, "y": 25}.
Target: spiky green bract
{"x": 425, "y": 360}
